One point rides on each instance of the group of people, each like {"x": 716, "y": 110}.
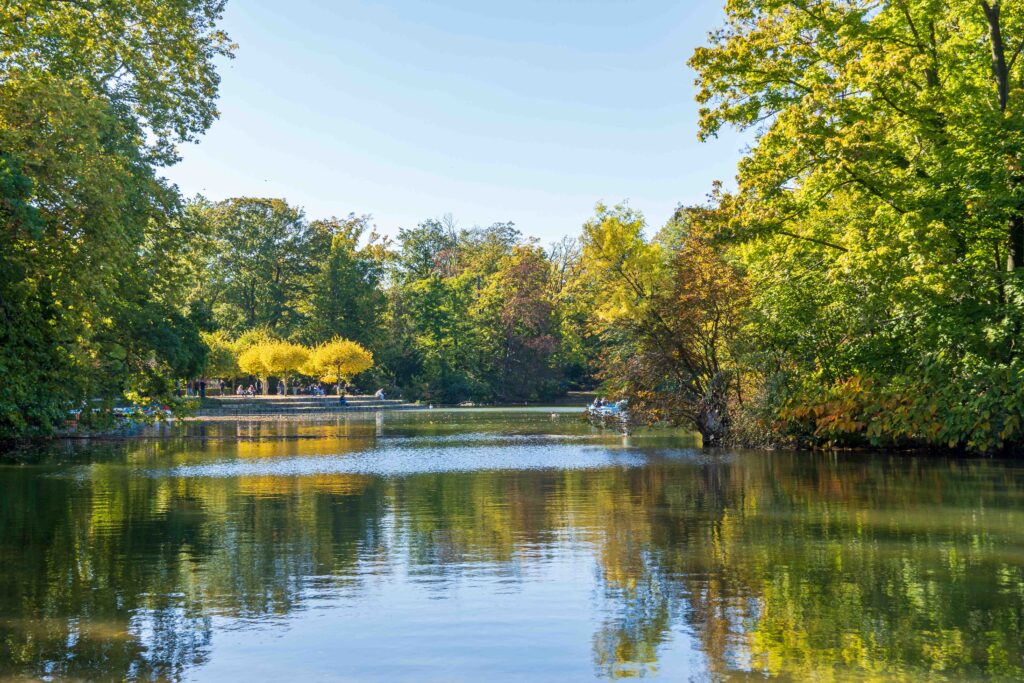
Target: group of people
{"x": 197, "y": 387}
{"x": 304, "y": 389}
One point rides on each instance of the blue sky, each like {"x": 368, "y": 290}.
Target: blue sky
{"x": 522, "y": 111}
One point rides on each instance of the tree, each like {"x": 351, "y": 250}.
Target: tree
{"x": 261, "y": 260}
{"x": 271, "y": 358}
{"x": 250, "y": 361}
{"x": 432, "y": 340}
{"x": 880, "y": 210}
{"x": 518, "y": 327}
{"x": 153, "y": 61}
{"x": 93, "y": 99}
{"x": 338, "y": 361}
{"x": 222, "y": 357}
{"x": 668, "y": 321}
{"x": 575, "y": 301}
{"x": 345, "y": 298}
{"x": 283, "y": 359}
{"x": 254, "y": 337}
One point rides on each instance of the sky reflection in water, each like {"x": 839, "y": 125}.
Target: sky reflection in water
{"x": 501, "y": 545}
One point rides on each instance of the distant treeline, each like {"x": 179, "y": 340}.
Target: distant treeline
{"x": 862, "y": 284}
{"x": 448, "y": 314}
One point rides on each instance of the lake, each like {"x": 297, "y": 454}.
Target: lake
{"x": 501, "y": 545}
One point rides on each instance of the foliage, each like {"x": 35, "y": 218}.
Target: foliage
{"x": 447, "y": 341}
{"x": 254, "y": 337}
{"x": 250, "y": 362}
{"x": 669, "y": 318}
{"x": 938, "y": 407}
{"x": 151, "y": 60}
{"x": 221, "y": 358}
{"x": 338, "y": 361}
{"x": 345, "y": 297}
{"x": 283, "y": 359}
{"x": 879, "y": 213}
{"x": 515, "y": 316}
{"x": 271, "y": 358}
{"x": 258, "y": 263}
{"x": 93, "y": 99}
{"x": 575, "y": 300}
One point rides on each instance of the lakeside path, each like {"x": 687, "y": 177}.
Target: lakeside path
{"x": 220, "y": 407}
{"x": 217, "y": 407}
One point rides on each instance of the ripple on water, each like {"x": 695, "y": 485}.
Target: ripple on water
{"x": 402, "y": 461}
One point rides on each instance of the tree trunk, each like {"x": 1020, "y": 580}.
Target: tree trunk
{"x": 1015, "y": 258}
{"x": 713, "y": 419}
{"x": 1001, "y": 74}
{"x": 1000, "y": 70}
{"x": 713, "y": 426}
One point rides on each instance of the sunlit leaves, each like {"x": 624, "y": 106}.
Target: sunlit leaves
{"x": 153, "y": 60}
{"x": 668, "y": 314}
{"x": 338, "y": 361}
{"x": 221, "y": 359}
{"x": 876, "y": 209}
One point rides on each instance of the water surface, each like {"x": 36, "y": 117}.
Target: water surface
{"x": 483, "y": 545}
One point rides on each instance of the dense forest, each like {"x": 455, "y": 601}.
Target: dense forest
{"x": 860, "y": 282}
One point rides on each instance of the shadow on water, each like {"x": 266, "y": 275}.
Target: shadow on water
{"x": 502, "y": 545}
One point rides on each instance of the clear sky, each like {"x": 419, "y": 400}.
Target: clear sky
{"x": 528, "y": 111}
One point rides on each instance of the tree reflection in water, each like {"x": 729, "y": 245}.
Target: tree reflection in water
{"x": 115, "y": 565}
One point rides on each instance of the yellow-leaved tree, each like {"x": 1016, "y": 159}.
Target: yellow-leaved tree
{"x": 250, "y": 361}
{"x": 273, "y": 359}
{"x": 283, "y": 359}
{"x": 338, "y": 361}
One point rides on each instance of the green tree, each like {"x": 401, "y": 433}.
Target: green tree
{"x": 518, "y": 327}
{"x": 151, "y": 60}
{"x": 345, "y": 298}
{"x": 93, "y": 99}
{"x": 880, "y": 211}
{"x": 431, "y": 345}
{"x": 260, "y": 263}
